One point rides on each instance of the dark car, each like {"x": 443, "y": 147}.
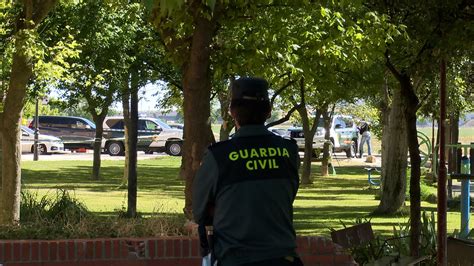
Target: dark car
{"x": 75, "y": 132}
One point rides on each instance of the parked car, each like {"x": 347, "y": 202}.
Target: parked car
{"x": 154, "y": 135}
{"x": 343, "y": 136}
{"x": 283, "y": 132}
{"x": 75, "y": 132}
{"x": 46, "y": 144}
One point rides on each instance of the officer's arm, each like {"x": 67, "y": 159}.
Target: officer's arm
{"x": 204, "y": 188}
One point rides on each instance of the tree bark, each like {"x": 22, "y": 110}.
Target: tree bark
{"x": 133, "y": 139}
{"x": 227, "y": 121}
{"x": 126, "y": 120}
{"x": 31, "y": 16}
{"x": 327, "y": 116}
{"x": 11, "y": 170}
{"x": 98, "y": 118}
{"x": 1, "y": 137}
{"x": 385, "y": 110}
{"x": 411, "y": 103}
{"x": 99, "y": 131}
{"x": 197, "y": 92}
{"x": 309, "y": 130}
{"x": 394, "y": 159}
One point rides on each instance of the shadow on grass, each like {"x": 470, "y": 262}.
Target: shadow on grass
{"x": 318, "y": 207}
{"x": 152, "y": 176}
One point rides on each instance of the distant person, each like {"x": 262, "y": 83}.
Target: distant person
{"x": 364, "y": 130}
{"x": 246, "y": 186}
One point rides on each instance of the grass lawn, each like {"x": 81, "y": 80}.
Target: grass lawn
{"x": 318, "y": 207}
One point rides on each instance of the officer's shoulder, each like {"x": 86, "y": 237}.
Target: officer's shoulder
{"x": 287, "y": 140}
{"x": 218, "y": 145}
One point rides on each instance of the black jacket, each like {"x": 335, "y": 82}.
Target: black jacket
{"x": 250, "y": 182}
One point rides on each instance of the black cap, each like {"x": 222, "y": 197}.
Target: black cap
{"x": 255, "y": 89}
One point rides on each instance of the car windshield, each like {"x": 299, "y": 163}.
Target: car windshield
{"x": 160, "y": 122}
{"x": 27, "y": 130}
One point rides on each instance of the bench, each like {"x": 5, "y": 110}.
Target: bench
{"x": 373, "y": 181}
{"x": 361, "y": 235}
{"x": 460, "y": 251}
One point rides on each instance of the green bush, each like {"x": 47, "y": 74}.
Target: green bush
{"x": 63, "y": 216}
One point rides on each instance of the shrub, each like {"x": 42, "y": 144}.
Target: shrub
{"x": 63, "y": 216}
{"x": 399, "y": 245}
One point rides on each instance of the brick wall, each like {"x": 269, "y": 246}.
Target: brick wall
{"x": 165, "y": 251}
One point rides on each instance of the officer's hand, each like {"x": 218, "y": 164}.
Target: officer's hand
{"x": 191, "y": 228}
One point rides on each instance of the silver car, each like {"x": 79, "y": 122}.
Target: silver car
{"x": 46, "y": 143}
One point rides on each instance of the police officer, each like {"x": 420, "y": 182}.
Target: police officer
{"x": 246, "y": 186}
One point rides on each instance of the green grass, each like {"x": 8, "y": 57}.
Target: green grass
{"x": 318, "y": 207}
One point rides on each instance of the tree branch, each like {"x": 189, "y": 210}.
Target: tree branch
{"x": 42, "y": 10}
{"x": 391, "y": 67}
{"x": 279, "y": 91}
{"x": 285, "y": 118}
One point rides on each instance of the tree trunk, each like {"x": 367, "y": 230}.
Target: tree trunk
{"x": 308, "y": 146}
{"x": 132, "y": 154}
{"x": 99, "y": 131}
{"x": 197, "y": 92}
{"x": 33, "y": 13}
{"x": 227, "y": 121}
{"x": 1, "y": 137}
{"x": 126, "y": 120}
{"x": 11, "y": 168}
{"x": 385, "y": 110}
{"x": 308, "y": 130}
{"x": 394, "y": 159}
{"x": 327, "y": 146}
{"x": 411, "y": 106}
{"x": 11, "y": 185}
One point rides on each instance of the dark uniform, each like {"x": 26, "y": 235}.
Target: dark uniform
{"x": 250, "y": 183}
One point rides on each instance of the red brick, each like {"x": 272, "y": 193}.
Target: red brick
{"x": 169, "y": 252}
{"x": 159, "y": 251}
{"x": 186, "y": 248}
{"x": 318, "y": 260}
{"x": 123, "y": 249}
{"x": 89, "y": 250}
{"x": 322, "y": 246}
{"x": 115, "y": 249}
{"x": 177, "y": 247}
{"x": 2, "y": 251}
{"x": 16, "y": 251}
{"x": 25, "y": 251}
{"x": 195, "y": 248}
{"x": 53, "y": 251}
{"x": 108, "y": 249}
{"x": 71, "y": 250}
{"x": 62, "y": 251}
{"x": 302, "y": 245}
{"x": 161, "y": 245}
{"x": 44, "y": 251}
{"x": 99, "y": 249}
{"x": 150, "y": 249}
{"x": 80, "y": 250}
{"x": 35, "y": 251}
